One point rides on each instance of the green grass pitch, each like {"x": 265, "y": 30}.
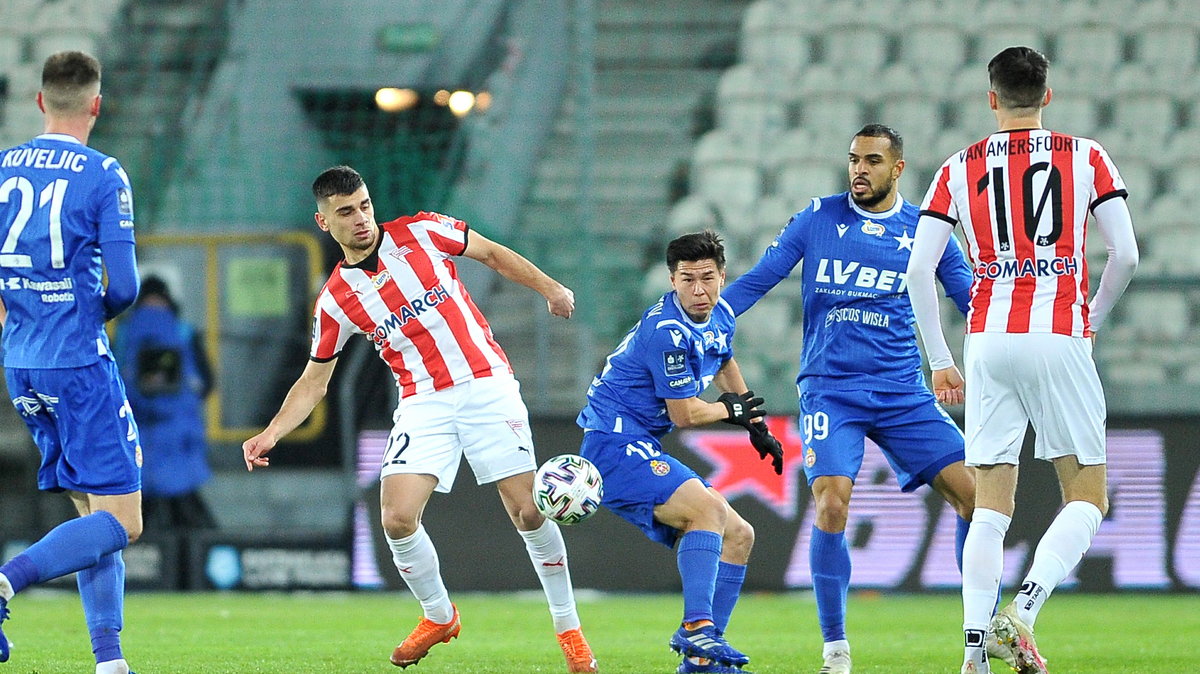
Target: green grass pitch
{"x": 250, "y": 633}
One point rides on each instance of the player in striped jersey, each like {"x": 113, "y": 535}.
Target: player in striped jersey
{"x": 67, "y": 214}
{"x": 1022, "y": 196}
{"x": 398, "y": 286}
{"x": 860, "y": 370}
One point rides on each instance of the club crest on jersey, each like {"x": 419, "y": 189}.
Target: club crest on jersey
{"x": 400, "y": 252}
{"x": 872, "y": 228}
{"x": 380, "y": 279}
{"x": 659, "y": 468}
{"x": 516, "y": 425}
{"x": 810, "y": 458}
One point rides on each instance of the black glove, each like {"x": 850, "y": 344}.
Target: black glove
{"x": 767, "y": 445}
{"x": 742, "y": 408}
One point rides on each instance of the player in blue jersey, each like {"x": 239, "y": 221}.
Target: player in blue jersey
{"x": 66, "y": 213}
{"x": 860, "y": 371}
{"x": 650, "y": 384}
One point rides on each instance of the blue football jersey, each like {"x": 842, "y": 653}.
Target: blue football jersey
{"x": 666, "y": 355}
{"x": 858, "y": 323}
{"x": 59, "y": 199}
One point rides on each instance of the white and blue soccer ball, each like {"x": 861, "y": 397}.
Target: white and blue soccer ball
{"x": 567, "y": 488}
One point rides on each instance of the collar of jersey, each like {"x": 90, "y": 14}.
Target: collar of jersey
{"x": 877, "y": 216}
{"x": 369, "y": 263}
{"x": 66, "y": 138}
{"x": 684, "y": 315}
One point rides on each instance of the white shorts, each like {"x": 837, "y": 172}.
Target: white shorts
{"x": 484, "y": 420}
{"x": 1013, "y": 380}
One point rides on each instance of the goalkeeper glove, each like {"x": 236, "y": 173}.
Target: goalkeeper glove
{"x": 742, "y": 408}
{"x": 766, "y": 444}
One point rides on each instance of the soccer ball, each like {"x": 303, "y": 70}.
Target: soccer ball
{"x": 567, "y": 488}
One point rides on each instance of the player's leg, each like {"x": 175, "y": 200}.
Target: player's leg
{"x": 994, "y": 436}
{"x": 736, "y": 544}
{"x": 102, "y": 586}
{"x": 1069, "y": 535}
{"x": 82, "y": 425}
{"x": 701, "y": 517}
{"x": 833, "y": 424}
{"x": 548, "y": 554}
{"x": 402, "y": 498}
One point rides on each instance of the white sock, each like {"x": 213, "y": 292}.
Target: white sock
{"x": 1062, "y": 546}
{"x": 417, "y": 562}
{"x": 831, "y": 646}
{"x": 983, "y": 562}
{"x": 6, "y": 591}
{"x": 548, "y": 553}
{"x": 112, "y": 667}
{"x": 975, "y": 650}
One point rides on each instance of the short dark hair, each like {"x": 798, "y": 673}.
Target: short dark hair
{"x": 68, "y": 80}
{"x": 1018, "y": 76}
{"x": 336, "y": 181}
{"x": 704, "y": 245}
{"x": 884, "y": 131}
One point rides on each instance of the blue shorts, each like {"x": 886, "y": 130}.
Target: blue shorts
{"x": 915, "y": 434}
{"x": 638, "y": 475}
{"x": 83, "y": 426}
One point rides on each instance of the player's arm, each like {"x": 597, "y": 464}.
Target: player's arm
{"x": 775, "y": 265}
{"x": 513, "y": 266}
{"x": 3, "y": 314}
{"x": 120, "y": 263}
{"x": 303, "y": 397}
{"x": 736, "y": 404}
{"x": 729, "y": 379}
{"x": 954, "y": 272}
{"x": 933, "y": 234}
{"x": 1116, "y": 226}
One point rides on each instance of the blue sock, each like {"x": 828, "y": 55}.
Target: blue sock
{"x": 729, "y": 587}
{"x": 102, "y": 591}
{"x": 73, "y": 545}
{"x": 698, "y": 556}
{"x": 960, "y": 538}
{"x": 829, "y": 558}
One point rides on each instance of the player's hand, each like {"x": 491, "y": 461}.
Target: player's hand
{"x": 254, "y": 451}
{"x": 742, "y": 408}
{"x": 561, "y": 302}
{"x": 767, "y": 445}
{"x": 948, "y": 386}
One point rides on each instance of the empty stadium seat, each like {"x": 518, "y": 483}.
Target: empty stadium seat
{"x": 804, "y": 178}
{"x": 775, "y": 36}
{"x": 1071, "y": 112}
{"x": 999, "y": 27}
{"x": 692, "y": 213}
{"x": 1164, "y": 39}
{"x": 753, "y": 104}
{"x": 857, "y": 45}
{"x": 1171, "y": 251}
{"x": 1154, "y": 315}
{"x": 1088, "y": 38}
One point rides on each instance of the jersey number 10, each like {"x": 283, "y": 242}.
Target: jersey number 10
{"x": 53, "y": 195}
{"x": 1032, "y": 213}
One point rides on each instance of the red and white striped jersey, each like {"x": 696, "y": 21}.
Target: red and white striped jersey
{"x": 407, "y": 299}
{"x": 1023, "y": 199}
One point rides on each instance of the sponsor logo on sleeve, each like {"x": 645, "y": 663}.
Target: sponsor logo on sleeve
{"x": 675, "y": 362}
{"x": 124, "y": 201}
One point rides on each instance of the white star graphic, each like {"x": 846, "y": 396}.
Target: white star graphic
{"x": 905, "y": 240}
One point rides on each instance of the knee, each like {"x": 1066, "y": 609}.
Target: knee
{"x": 133, "y": 530}
{"x": 739, "y": 533}
{"x": 398, "y": 524}
{"x": 526, "y": 517}
{"x": 833, "y": 509}
{"x": 708, "y": 512}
